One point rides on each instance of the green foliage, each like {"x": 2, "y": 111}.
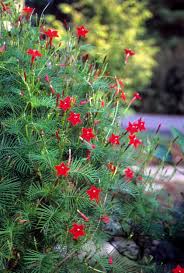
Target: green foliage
{"x": 38, "y": 262}
{"x": 9, "y": 190}
{"x": 39, "y": 206}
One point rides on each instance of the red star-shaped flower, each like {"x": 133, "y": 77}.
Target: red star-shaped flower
{"x": 178, "y": 269}
{"x": 128, "y": 53}
{"x": 136, "y": 126}
{"x": 27, "y": 10}
{"x": 51, "y": 34}
{"x": 114, "y": 139}
{"x": 77, "y": 231}
{"x": 34, "y": 54}
{"x": 82, "y": 31}
{"x": 87, "y": 134}
{"x": 65, "y": 104}
{"x": 62, "y": 169}
{"x": 134, "y": 141}
{"x": 129, "y": 174}
{"x": 140, "y": 125}
{"x": 94, "y": 193}
{"x": 74, "y": 118}
{"x": 132, "y": 128}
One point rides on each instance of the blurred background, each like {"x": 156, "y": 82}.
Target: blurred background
{"x": 154, "y": 29}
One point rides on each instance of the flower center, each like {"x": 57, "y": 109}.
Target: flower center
{"x": 78, "y": 229}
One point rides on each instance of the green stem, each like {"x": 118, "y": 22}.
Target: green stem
{"x": 114, "y": 119}
{"x": 96, "y": 270}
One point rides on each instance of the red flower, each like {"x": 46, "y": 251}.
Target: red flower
{"x": 134, "y": 141}
{"x": 77, "y": 231}
{"x": 102, "y": 103}
{"x": 82, "y": 31}
{"x": 28, "y": 10}
{"x": 110, "y": 260}
{"x": 132, "y": 128}
{"x": 94, "y": 193}
{"x": 87, "y": 134}
{"x": 129, "y": 174}
{"x": 105, "y": 219}
{"x": 123, "y": 96}
{"x": 47, "y": 78}
{"x": 114, "y": 139}
{"x": 140, "y": 125}
{"x": 65, "y": 104}
{"x": 178, "y": 269}
{"x": 111, "y": 167}
{"x": 62, "y": 169}
{"x": 136, "y": 126}
{"x": 137, "y": 96}
{"x": 34, "y": 54}
{"x": 51, "y": 34}
{"x": 128, "y": 53}
{"x": 74, "y": 118}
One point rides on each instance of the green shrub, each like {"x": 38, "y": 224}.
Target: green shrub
{"x": 65, "y": 161}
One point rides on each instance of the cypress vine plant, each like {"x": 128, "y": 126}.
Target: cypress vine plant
{"x": 66, "y": 165}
